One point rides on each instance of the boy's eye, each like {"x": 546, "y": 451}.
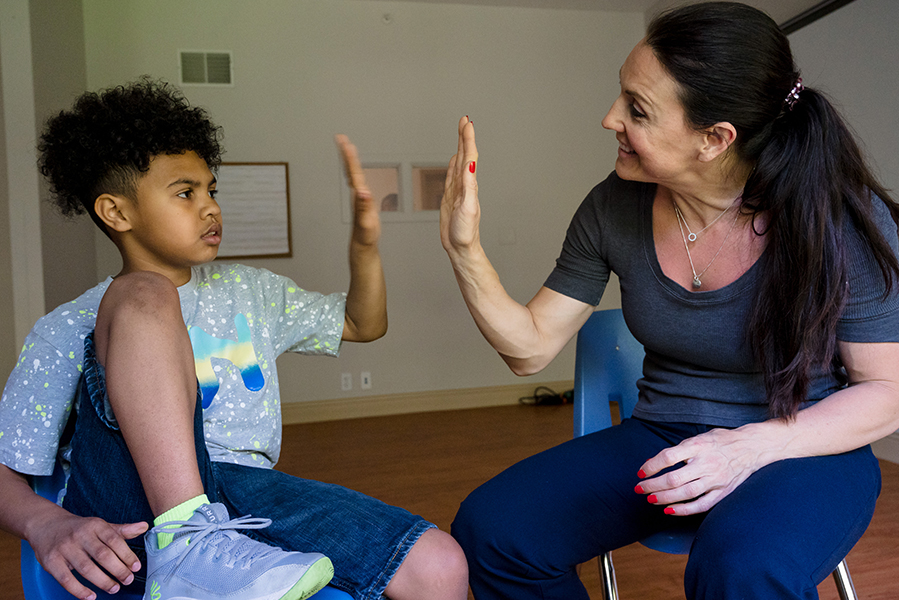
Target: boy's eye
{"x": 186, "y": 194}
{"x": 213, "y": 194}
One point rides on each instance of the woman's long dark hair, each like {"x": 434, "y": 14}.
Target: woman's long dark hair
{"x": 733, "y": 64}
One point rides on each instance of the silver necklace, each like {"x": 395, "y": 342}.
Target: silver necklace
{"x": 681, "y": 222}
{"x": 690, "y": 235}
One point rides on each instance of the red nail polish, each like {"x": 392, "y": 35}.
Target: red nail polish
{"x": 639, "y": 489}
{"x": 471, "y": 166}
{"x": 652, "y": 499}
{"x": 641, "y": 474}
{"x": 669, "y": 511}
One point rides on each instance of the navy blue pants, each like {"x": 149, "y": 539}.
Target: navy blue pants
{"x": 778, "y": 535}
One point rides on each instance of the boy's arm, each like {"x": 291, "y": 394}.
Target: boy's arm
{"x": 366, "y": 301}
{"x": 64, "y": 542}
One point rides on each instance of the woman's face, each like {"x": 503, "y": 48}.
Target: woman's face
{"x": 655, "y": 142}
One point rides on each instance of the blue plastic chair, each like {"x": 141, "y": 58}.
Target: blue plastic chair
{"x": 608, "y": 363}
{"x": 40, "y": 585}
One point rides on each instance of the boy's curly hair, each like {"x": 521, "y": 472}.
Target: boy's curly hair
{"x": 106, "y": 142}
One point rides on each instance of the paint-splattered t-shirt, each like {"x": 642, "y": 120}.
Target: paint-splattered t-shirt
{"x": 240, "y": 319}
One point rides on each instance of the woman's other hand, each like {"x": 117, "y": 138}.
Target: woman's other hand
{"x": 712, "y": 465}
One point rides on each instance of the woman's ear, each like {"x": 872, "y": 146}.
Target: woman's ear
{"x": 717, "y": 139}
{"x": 112, "y": 210}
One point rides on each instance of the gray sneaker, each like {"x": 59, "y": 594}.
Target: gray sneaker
{"x": 209, "y": 560}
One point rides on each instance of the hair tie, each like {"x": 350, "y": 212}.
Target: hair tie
{"x": 793, "y": 97}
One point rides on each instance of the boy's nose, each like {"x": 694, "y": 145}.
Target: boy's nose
{"x": 213, "y": 208}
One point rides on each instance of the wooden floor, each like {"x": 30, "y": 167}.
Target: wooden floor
{"x": 428, "y": 462}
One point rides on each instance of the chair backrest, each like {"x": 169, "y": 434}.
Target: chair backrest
{"x": 608, "y": 363}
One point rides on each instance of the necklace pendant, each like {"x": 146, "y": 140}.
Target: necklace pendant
{"x": 696, "y": 283}
{"x": 692, "y": 237}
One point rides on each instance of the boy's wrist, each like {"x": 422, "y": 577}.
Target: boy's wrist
{"x": 363, "y": 247}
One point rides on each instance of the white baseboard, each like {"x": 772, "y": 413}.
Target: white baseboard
{"x": 415, "y": 402}
{"x": 887, "y": 448}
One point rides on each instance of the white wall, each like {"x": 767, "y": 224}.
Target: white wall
{"x": 57, "y": 51}
{"x": 853, "y": 55}
{"x": 20, "y": 184}
{"x": 396, "y": 76}
{"x": 7, "y": 326}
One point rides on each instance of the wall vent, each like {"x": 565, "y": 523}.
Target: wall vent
{"x": 210, "y": 68}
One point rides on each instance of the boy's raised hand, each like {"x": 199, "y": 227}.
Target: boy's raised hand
{"x": 366, "y": 300}
{"x": 366, "y": 220}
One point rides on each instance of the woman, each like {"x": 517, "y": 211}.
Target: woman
{"x": 757, "y": 260}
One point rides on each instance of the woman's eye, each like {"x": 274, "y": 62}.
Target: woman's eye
{"x": 635, "y": 112}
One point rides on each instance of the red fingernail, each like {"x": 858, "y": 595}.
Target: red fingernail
{"x": 652, "y": 499}
{"x": 641, "y": 474}
{"x": 639, "y": 489}
{"x": 669, "y": 511}
{"x": 471, "y": 166}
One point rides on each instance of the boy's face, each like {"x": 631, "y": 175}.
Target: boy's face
{"x": 176, "y": 222}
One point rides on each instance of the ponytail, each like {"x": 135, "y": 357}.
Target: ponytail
{"x": 809, "y": 179}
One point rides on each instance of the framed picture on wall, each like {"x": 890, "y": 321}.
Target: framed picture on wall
{"x": 407, "y": 189}
{"x": 255, "y": 203}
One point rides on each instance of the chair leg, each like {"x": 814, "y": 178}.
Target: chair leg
{"x": 845, "y": 588}
{"x": 607, "y": 577}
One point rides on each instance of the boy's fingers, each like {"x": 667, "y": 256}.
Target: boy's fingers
{"x": 87, "y": 568}
{"x": 354, "y": 174}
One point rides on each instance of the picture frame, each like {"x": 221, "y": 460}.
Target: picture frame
{"x": 406, "y": 189}
{"x": 255, "y": 202}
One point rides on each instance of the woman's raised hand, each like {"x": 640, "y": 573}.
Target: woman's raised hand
{"x": 460, "y": 212}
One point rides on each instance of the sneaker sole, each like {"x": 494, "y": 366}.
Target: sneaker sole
{"x": 315, "y": 578}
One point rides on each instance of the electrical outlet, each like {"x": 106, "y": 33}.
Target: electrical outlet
{"x": 365, "y": 380}
{"x": 346, "y": 381}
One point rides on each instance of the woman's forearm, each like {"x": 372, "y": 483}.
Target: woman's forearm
{"x": 848, "y": 419}
{"x": 528, "y": 337}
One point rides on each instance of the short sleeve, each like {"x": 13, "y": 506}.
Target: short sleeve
{"x": 581, "y": 270}
{"x": 871, "y": 315}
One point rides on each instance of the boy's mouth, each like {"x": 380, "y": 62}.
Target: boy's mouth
{"x": 213, "y": 234}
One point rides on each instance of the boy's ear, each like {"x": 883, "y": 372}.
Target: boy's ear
{"x": 717, "y": 139}
{"x": 112, "y": 210}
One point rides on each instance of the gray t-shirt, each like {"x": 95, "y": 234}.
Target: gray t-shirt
{"x": 240, "y": 319}
{"x": 699, "y": 367}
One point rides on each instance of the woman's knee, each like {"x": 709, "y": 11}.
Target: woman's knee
{"x": 475, "y": 522}
{"x": 729, "y": 567}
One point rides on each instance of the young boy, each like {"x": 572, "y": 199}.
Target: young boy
{"x": 149, "y": 443}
